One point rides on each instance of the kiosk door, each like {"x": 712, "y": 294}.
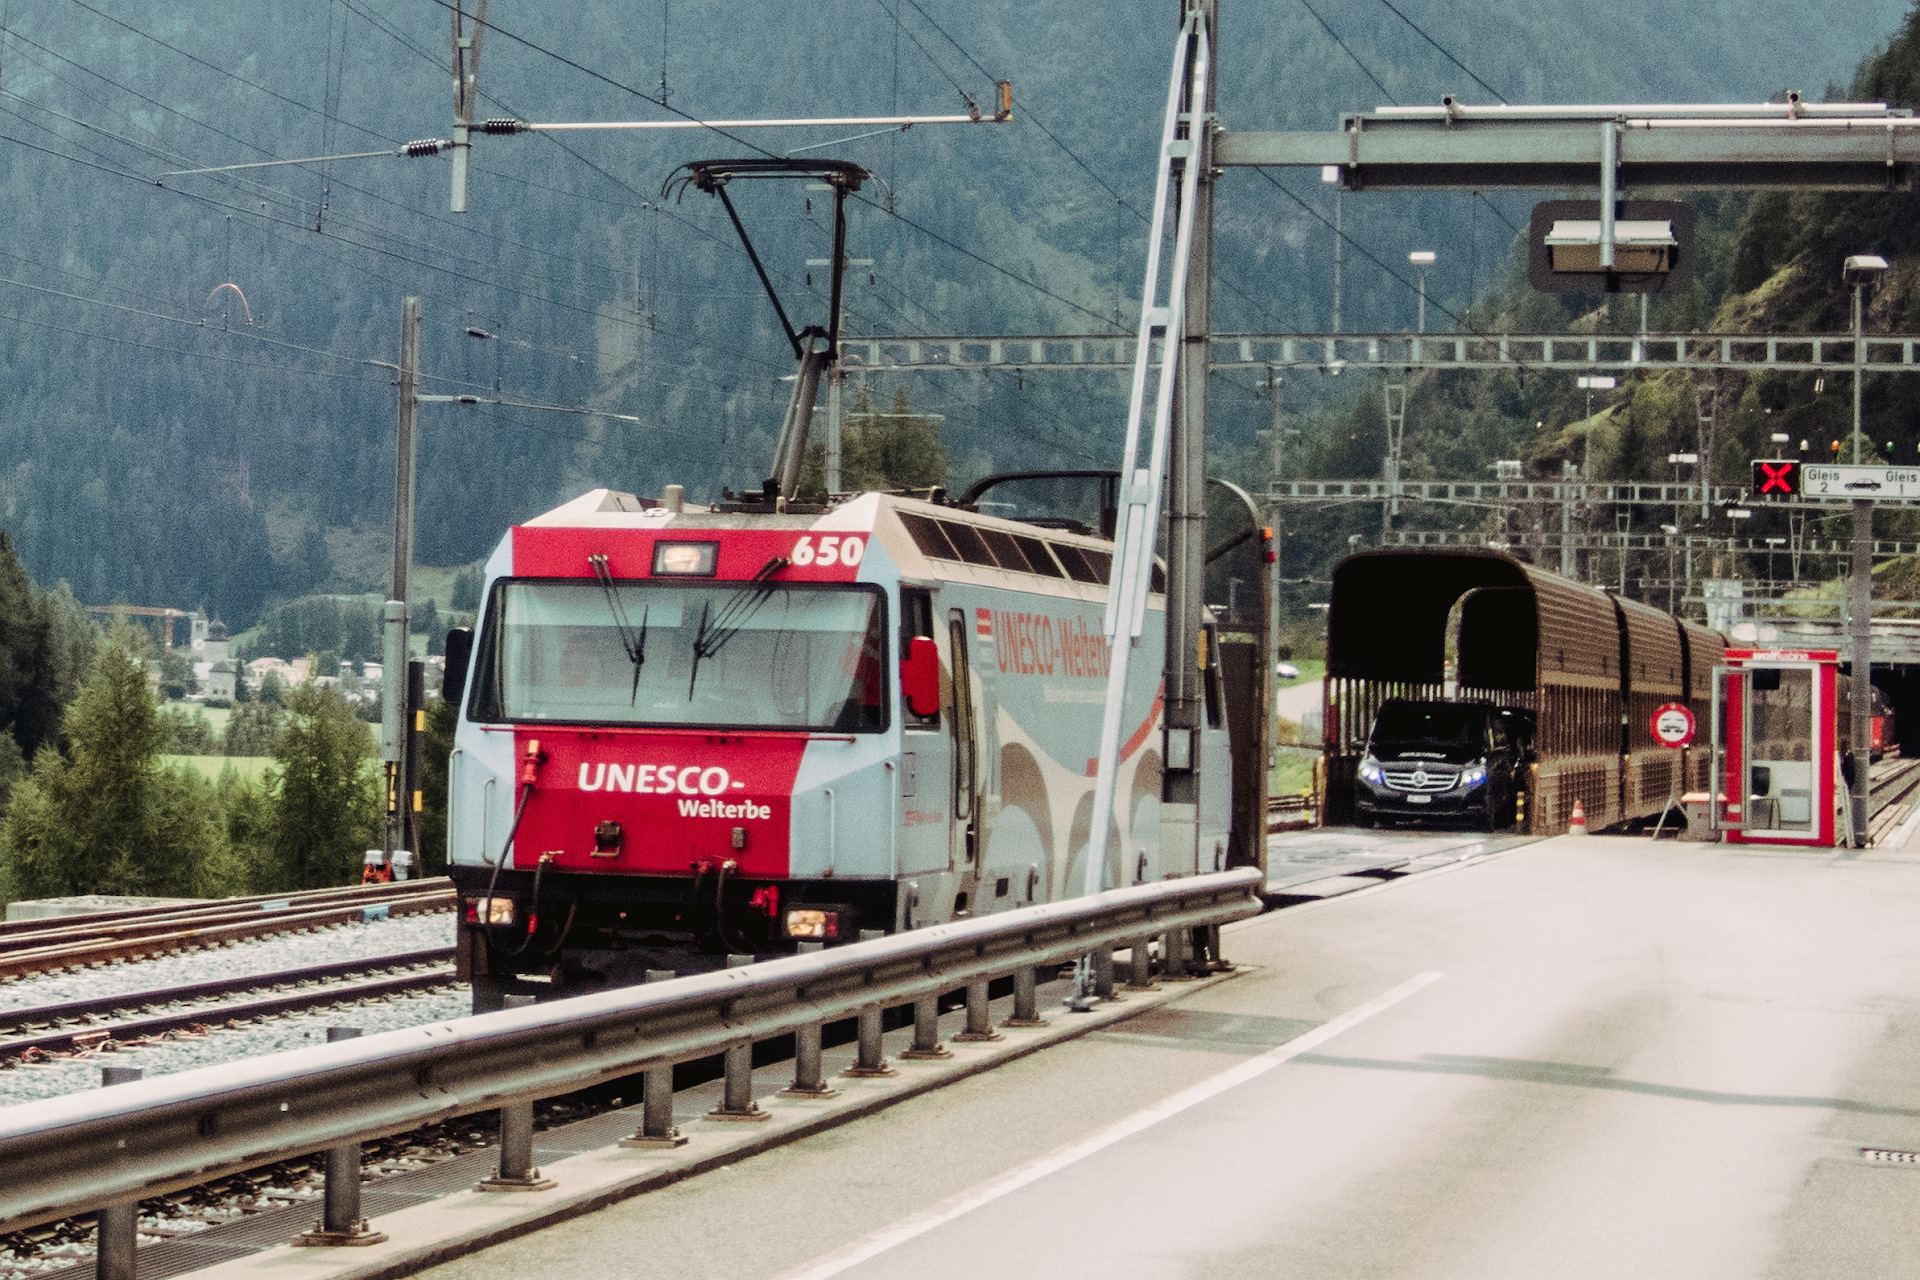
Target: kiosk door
{"x": 1727, "y": 777}
{"x": 1781, "y": 760}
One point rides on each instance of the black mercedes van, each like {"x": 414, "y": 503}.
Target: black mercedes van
{"x": 1432, "y": 761}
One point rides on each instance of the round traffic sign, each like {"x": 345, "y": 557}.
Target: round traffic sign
{"x": 1673, "y": 725}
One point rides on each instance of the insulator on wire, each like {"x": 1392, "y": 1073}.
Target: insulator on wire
{"x": 424, "y": 147}
{"x": 504, "y": 126}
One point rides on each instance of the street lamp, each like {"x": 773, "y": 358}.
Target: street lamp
{"x": 1860, "y": 270}
{"x": 1423, "y": 260}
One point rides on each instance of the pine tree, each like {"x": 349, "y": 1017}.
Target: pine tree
{"x": 436, "y": 751}
{"x": 108, "y": 818}
{"x": 326, "y": 811}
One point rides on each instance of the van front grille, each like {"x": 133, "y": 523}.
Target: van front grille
{"x": 1421, "y": 778}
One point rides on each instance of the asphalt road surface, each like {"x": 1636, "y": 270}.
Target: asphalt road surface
{"x": 1580, "y": 1058}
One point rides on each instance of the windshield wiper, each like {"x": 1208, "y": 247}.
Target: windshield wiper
{"x": 634, "y": 642}
{"x": 718, "y": 628}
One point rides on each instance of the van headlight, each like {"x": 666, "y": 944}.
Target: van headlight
{"x": 1370, "y": 771}
{"x": 1474, "y": 774}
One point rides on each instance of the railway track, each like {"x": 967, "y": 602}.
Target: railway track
{"x": 1891, "y": 786}
{"x": 80, "y": 942}
{"x": 109, "y": 1023}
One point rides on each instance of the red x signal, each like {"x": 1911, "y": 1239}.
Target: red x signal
{"x": 1776, "y": 477}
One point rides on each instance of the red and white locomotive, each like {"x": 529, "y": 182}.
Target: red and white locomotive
{"x": 690, "y": 734}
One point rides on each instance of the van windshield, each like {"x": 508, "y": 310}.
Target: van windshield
{"x": 1437, "y": 729}
{"x": 723, "y": 654}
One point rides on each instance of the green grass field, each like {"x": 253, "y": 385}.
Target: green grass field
{"x": 216, "y": 716}
{"x": 249, "y": 767}
{"x": 1310, "y": 670}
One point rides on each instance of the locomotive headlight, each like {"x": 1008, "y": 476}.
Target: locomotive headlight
{"x": 685, "y": 559}
{"x": 807, "y": 922}
{"x": 489, "y": 911}
{"x": 1370, "y": 770}
{"x": 1474, "y": 774}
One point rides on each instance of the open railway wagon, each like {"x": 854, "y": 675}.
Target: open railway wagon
{"x": 702, "y": 733}
{"x": 1479, "y": 625}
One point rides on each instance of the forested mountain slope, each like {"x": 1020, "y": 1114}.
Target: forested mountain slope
{"x": 162, "y": 442}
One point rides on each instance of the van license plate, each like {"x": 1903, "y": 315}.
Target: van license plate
{"x": 1419, "y": 799}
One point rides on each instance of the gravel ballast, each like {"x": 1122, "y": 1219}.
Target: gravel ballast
{"x": 276, "y": 954}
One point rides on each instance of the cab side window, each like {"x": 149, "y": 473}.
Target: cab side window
{"x": 916, "y": 620}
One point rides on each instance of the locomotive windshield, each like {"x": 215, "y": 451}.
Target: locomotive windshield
{"x": 729, "y": 654}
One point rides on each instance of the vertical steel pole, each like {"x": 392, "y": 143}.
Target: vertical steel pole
{"x": 1859, "y": 367}
{"x": 836, "y": 381}
{"x": 1339, "y": 239}
{"x": 1859, "y": 620}
{"x": 393, "y": 676}
{"x": 1186, "y": 497}
{"x": 116, "y": 1226}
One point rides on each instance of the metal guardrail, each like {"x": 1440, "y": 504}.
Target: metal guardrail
{"x": 113, "y": 1146}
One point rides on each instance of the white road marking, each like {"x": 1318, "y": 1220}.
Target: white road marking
{"x": 878, "y": 1242}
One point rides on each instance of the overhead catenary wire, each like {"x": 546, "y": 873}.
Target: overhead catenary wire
{"x": 1030, "y": 116}
{"x": 1344, "y": 48}
{"x": 1419, "y": 31}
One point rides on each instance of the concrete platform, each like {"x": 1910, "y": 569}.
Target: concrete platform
{"x": 1586, "y": 1058}
{"x": 1298, "y": 862}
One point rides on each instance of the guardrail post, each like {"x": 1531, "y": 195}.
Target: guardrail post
{"x": 656, "y": 1106}
{"x": 1140, "y": 972}
{"x": 1173, "y": 955}
{"x": 870, "y": 1063}
{"x": 926, "y": 1031}
{"x": 1026, "y": 1010}
{"x": 1216, "y": 962}
{"x": 979, "y": 1018}
{"x": 516, "y": 1171}
{"x": 116, "y": 1226}
{"x": 1103, "y": 975}
{"x": 340, "y": 1222}
{"x": 807, "y": 1081}
{"x": 736, "y": 1095}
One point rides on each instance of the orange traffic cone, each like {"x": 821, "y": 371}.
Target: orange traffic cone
{"x": 1577, "y": 824}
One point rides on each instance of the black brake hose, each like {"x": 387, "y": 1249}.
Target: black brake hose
{"x": 533, "y": 910}
{"x": 719, "y": 911}
{"x": 526, "y": 794}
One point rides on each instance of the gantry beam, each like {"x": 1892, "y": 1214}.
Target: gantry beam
{"x": 1532, "y": 352}
{"x": 1453, "y": 147}
{"x": 1552, "y": 540}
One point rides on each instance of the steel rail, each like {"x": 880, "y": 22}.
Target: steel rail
{"x": 100, "y": 1035}
{"x": 95, "y": 920}
{"x": 111, "y": 1146}
{"x": 18, "y": 1023}
{"x": 1894, "y": 784}
{"x": 186, "y": 933}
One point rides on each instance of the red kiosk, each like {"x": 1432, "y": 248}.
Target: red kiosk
{"x": 1776, "y": 747}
